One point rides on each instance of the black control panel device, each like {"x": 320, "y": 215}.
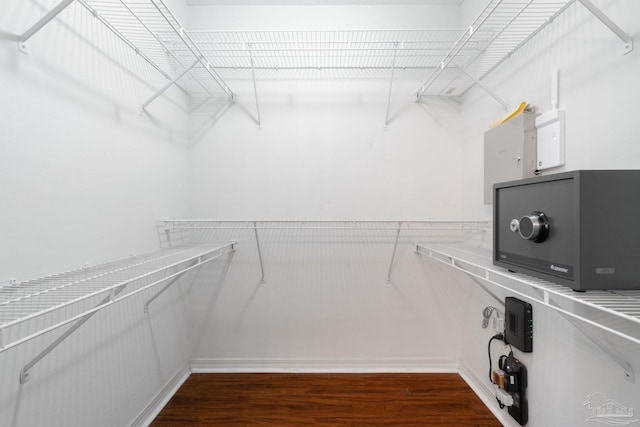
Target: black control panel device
{"x": 516, "y": 386}
{"x": 518, "y": 324}
{"x": 574, "y": 228}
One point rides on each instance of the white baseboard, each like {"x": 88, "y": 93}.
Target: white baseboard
{"x": 488, "y": 397}
{"x": 162, "y": 398}
{"x": 322, "y": 366}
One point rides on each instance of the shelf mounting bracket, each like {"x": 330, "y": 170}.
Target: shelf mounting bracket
{"x": 629, "y": 374}
{"x": 485, "y": 88}
{"x": 171, "y": 282}
{"x": 393, "y": 70}
{"x": 393, "y": 254}
{"x": 255, "y": 229}
{"x": 169, "y": 84}
{"x": 542, "y": 298}
{"x": 622, "y": 35}
{"x": 22, "y": 40}
{"x": 255, "y": 88}
{"x": 24, "y": 373}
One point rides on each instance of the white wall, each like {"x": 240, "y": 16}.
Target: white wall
{"x": 327, "y": 17}
{"x": 598, "y": 85}
{"x": 322, "y": 153}
{"x": 74, "y": 144}
{"x": 83, "y": 178}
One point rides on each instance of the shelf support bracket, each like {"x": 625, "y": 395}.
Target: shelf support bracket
{"x": 393, "y": 70}
{"x": 255, "y": 229}
{"x": 578, "y": 323}
{"x": 22, "y": 40}
{"x": 24, "y": 373}
{"x": 622, "y": 35}
{"x": 255, "y": 88}
{"x": 485, "y": 88}
{"x": 171, "y": 282}
{"x": 629, "y": 374}
{"x": 169, "y": 84}
{"x": 393, "y": 254}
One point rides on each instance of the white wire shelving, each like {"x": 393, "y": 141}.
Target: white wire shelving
{"x": 154, "y": 33}
{"x": 615, "y": 312}
{"x": 199, "y": 62}
{"x": 386, "y": 232}
{"x": 324, "y": 49}
{"x": 32, "y": 308}
{"x": 498, "y": 31}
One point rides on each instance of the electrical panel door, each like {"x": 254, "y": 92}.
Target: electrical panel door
{"x": 509, "y": 152}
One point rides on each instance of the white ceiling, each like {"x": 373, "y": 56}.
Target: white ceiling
{"x": 322, "y": 2}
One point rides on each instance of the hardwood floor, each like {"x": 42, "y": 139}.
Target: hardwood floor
{"x": 325, "y": 400}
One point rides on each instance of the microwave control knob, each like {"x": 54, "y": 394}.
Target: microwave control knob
{"x": 534, "y": 227}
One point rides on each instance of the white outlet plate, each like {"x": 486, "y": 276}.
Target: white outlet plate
{"x": 550, "y": 130}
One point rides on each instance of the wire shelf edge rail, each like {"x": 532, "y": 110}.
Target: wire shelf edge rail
{"x": 197, "y": 256}
{"x": 284, "y": 224}
{"x": 619, "y": 304}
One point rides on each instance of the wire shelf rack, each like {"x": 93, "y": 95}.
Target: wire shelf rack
{"x": 70, "y": 296}
{"x": 200, "y": 62}
{"x": 616, "y": 312}
{"x": 154, "y": 32}
{"x": 338, "y": 49}
{"x": 320, "y": 233}
{"x": 500, "y": 29}
{"x": 187, "y": 231}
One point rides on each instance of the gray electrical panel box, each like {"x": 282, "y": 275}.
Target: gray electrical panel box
{"x": 509, "y": 152}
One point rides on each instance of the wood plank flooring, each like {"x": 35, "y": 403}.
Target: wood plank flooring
{"x": 325, "y": 400}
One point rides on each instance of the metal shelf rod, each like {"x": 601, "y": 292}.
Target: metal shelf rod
{"x": 393, "y": 69}
{"x": 199, "y": 55}
{"x": 255, "y": 88}
{"x": 393, "y": 254}
{"x": 486, "y": 89}
{"x": 165, "y": 287}
{"x": 262, "y": 280}
{"x": 349, "y": 221}
{"x": 451, "y": 261}
{"x": 320, "y": 228}
{"x": 22, "y": 40}
{"x": 625, "y": 37}
{"x": 169, "y": 84}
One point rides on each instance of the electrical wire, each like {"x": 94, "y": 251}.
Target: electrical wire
{"x": 486, "y": 315}
{"x": 495, "y": 337}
